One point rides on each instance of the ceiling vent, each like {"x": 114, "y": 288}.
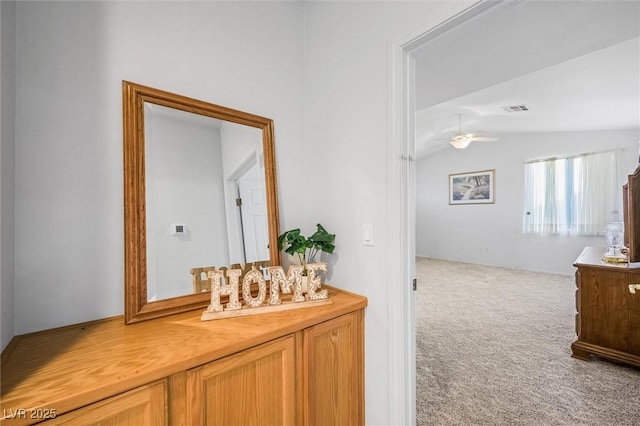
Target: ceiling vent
{"x": 516, "y": 108}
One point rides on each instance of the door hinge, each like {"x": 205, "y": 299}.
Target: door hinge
{"x": 238, "y": 202}
{"x": 415, "y": 284}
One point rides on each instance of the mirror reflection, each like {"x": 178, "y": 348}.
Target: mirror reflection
{"x": 199, "y": 192}
{"x": 205, "y": 198}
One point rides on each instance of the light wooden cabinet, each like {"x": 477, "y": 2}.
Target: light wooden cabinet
{"x": 145, "y": 405}
{"x": 333, "y": 365}
{"x": 253, "y": 387}
{"x": 607, "y": 309}
{"x": 286, "y": 368}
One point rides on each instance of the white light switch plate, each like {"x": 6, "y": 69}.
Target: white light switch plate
{"x": 367, "y": 234}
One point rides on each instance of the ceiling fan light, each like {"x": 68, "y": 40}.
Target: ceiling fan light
{"x": 461, "y": 142}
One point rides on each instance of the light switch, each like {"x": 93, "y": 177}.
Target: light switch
{"x": 367, "y": 234}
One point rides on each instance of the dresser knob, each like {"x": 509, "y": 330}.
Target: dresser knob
{"x": 633, "y": 288}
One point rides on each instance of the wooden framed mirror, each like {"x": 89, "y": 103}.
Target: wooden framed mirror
{"x": 186, "y": 163}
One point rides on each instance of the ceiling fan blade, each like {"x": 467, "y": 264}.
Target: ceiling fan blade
{"x": 460, "y": 137}
{"x": 483, "y": 139}
{"x": 462, "y": 140}
{"x": 437, "y": 146}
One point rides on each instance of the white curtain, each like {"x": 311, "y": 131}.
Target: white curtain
{"x": 541, "y": 214}
{"x": 577, "y": 195}
{"x": 597, "y": 193}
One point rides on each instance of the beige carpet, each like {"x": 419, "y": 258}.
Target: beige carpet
{"x": 493, "y": 348}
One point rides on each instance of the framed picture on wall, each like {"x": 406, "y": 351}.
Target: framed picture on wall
{"x": 472, "y": 187}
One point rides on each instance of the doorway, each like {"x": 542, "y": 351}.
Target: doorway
{"x": 401, "y": 196}
{"x": 252, "y": 210}
{"x": 404, "y": 90}
{"x": 246, "y": 212}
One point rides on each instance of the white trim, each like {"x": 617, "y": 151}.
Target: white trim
{"x": 401, "y": 211}
{"x": 401, "y": 382}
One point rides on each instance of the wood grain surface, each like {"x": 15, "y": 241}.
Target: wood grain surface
{"x": 607, "y": 312}
{"x": 69, "y": 367}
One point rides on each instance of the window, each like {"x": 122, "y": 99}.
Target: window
{"x": 572, "y": 196}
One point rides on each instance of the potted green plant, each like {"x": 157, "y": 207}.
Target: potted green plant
{"x": 306, "y": 248}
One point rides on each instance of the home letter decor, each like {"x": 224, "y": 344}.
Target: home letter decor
{"x": 314, "y": 281}
{"x": 230, "y": 289}
{"x": 279, "y": 282}
{"x": 254, "y": 276}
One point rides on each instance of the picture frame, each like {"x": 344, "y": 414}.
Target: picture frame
{"x": 472, "y": 187}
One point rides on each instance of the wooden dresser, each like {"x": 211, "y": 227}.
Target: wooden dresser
{"x": 608, "y": 309}
{"x": 298, "y": 367}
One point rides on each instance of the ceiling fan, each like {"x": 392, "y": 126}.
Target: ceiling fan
{"x": 462, "y": 140}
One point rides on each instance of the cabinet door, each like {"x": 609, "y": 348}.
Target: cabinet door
{"x": 333, "y": 365}
{"x": 145, "y": 405}
{"x": 252, "y": 387}
{"x": 609, "y": 313}
{"x": 633, "y": 320}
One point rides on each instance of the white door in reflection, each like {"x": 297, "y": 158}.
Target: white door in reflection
{"x": 253, "y": 213}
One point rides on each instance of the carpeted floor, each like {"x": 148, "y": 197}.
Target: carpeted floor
{"x": 493, "y": 348}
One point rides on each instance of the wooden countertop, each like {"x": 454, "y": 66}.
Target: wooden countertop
{"x": 592, "y": 256}
{"x": 72, "y": 366}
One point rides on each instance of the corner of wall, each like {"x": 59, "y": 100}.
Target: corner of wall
{"x": 7, "y": 154}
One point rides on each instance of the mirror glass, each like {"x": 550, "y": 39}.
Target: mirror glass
{"x": 199, "y": 193}
{"x": 205, "y": 197}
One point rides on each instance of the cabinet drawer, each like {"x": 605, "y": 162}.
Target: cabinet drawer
{"x": 145, "y": 405}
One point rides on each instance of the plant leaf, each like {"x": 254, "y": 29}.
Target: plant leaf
{"x": 292, "y": 242}
{"x": 287, "y": 237}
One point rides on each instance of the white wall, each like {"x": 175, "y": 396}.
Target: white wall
{"x": 7, "y": 153}
{"x": 255, "y": 57}
{"x": 72, "y": 57}
{"x": 492, "y": 233}
{"x": 347, "y": 138}
{"x": 239, "y": 142}
{"x": 184, "y": 185}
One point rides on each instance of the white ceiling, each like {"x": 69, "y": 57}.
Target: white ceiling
{"x": 575, "y": 65}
